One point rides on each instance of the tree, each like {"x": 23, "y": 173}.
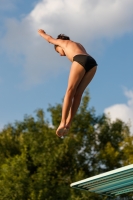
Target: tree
{"x": 110, "y": 138}
{"x": 35, "y": 164}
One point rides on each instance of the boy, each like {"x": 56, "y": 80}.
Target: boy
{"x": 82, "y": 71}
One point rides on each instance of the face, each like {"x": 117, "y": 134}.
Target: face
{"x": 60, "y": 51}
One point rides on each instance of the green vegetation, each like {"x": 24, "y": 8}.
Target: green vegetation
{"x": 37, "y": 165}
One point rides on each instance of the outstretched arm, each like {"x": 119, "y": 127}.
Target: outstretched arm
{"x": 44, "y": 35}
{"x": 49, "y": 38}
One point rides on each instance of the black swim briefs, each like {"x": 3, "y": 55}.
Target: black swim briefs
{"x": 86, "y": 61}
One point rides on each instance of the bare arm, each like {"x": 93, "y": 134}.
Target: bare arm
{"x": 50, "y": 39}
{"x": 44, "y": 35}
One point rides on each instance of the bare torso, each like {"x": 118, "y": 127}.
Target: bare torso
{"x": 72, "y": 48}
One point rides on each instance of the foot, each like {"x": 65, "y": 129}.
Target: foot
{"x": 60, "y": 131}
{"x": 66, "y": 129}
{"x": 67, "y": 126}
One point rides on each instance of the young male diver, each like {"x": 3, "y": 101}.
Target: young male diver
{"x": 82, "y": 71}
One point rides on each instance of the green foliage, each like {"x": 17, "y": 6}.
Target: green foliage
{"x": 110, "y": 137}
{"x": 37, "y": 165}
{"x": 14, "y": 178}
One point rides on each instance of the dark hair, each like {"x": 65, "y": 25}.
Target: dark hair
{"x": 62, "y": 37}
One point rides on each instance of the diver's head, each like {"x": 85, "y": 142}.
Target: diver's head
{"x": 57, "y": 47}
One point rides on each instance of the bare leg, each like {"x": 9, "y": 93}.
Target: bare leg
{"x": 76, "y": 74}
{"x": 77, "y": 97}
{"x": 73, "y": 110}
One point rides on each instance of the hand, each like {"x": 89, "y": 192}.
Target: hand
{"x": 41, "y": 31}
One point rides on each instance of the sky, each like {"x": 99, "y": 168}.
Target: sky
{"x": 33, "y": 75}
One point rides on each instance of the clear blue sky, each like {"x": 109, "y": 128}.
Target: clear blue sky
{"x": 33, "y": 75}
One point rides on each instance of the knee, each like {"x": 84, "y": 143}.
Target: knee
{"x": 71, "y": 91}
